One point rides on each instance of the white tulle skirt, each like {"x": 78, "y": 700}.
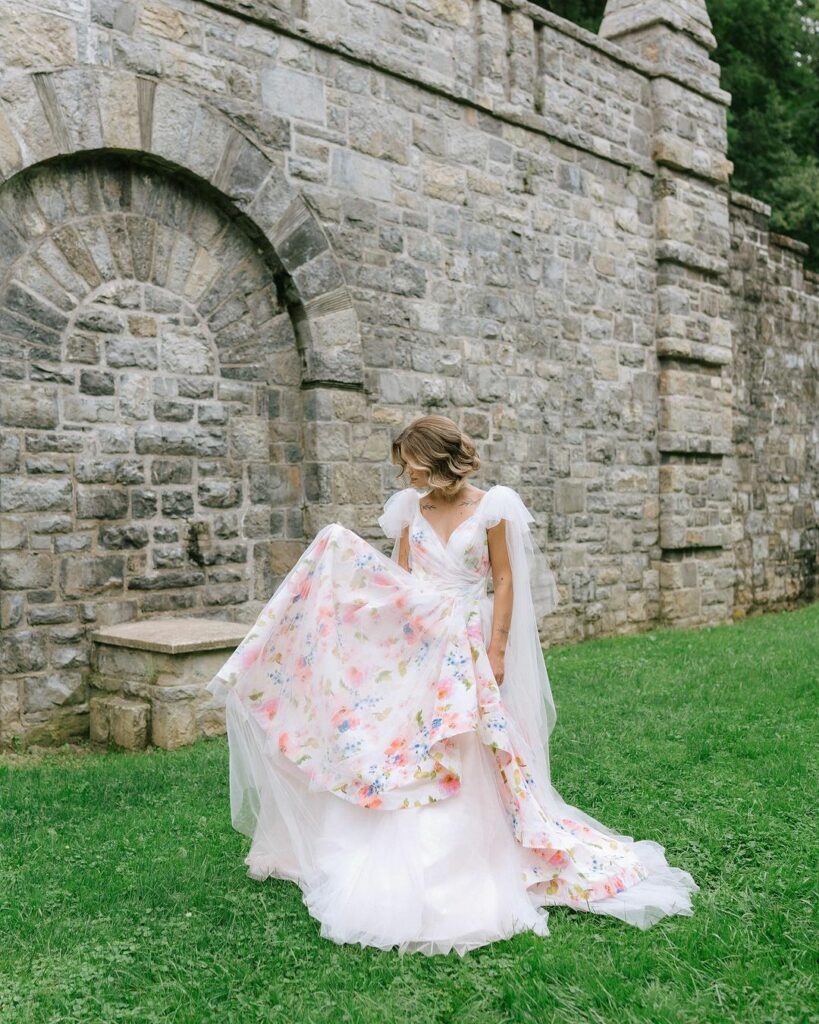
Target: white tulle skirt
{"x": 430, "y": 879}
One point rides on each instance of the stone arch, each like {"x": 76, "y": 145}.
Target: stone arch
{"x": 60, "y": 113}
{"x": 172, "y": 271}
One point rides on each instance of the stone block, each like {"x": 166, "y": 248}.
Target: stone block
{"x": 24, "y": 494}
{"x": 173, "y": 724}
{"x": 119, "y": 111}
{"x": 570, "y": 496}
{"x": 101, "y": 504}
{"x": 10, "y": 706}
{"x": 23, "y": 405}
{"x": 294, "y": 93}
{"x": 361, "y": 175}
{"x": 99, "y": 724}
{"x": 26, "y": 570}
{"x": 30, "y": 40}
{"x": 283, "y": 555}
{"x": 83, "y": 577}
{"x": 10, "y": 156}
{"x": 76, "y": 93}
{"x": 210, "y": 721}
{"x": 44, "y": 693}
{"x": 130, "y": 723}
{"x": 62, "y": 727}
{"x": 23, "y": 651}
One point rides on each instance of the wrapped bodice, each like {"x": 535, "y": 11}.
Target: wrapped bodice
{"x": 461, "y": 564}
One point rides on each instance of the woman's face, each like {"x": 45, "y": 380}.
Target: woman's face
{"x": 418, "y": 476}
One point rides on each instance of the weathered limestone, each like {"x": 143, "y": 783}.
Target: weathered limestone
{"x": 776, "y": 423}
{"x": 693, "y": 335}
{"x": 243, "y": 243}
{"x": 148, "y": 681}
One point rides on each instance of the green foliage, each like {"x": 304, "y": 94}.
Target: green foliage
{"x": 768, "y": 52}
{"x": 588, "y": 13}
{"x": 769, "y": 55}
{"x": 124, "y": 895}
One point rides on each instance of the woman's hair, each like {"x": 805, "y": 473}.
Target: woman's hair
{"x": 438, "y": 445}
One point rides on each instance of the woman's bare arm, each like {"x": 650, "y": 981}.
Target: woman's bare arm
{"x": 403, "y": 549}
{"x": 502, "y": 606}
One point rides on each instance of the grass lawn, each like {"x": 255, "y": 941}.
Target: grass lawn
{"x": 123, "y": 896}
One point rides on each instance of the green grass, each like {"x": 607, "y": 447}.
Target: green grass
{"x": 123, "y": 896}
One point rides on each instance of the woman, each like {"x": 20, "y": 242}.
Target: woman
{"x": 389, "y": 720}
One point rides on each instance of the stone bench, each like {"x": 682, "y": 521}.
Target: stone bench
{"x": 148, "y": 681}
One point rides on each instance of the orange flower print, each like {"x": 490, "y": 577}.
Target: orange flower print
{"x": 269, "y": 708}
{"x": 355, "y": 675}
{"x": 450, "y": 783}
{"x": 283, "y": 741}
{"x": 303, "y": 590}
{"x": 444, "y": 688}
{"x": 250, "y": 654}
{"x": 368, "y": 799}
{"x": 351, "y": 611}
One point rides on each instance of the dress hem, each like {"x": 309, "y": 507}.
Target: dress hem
{"x": 664, "y": 891}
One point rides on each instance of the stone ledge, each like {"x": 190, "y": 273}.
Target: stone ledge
{"x": 174, "y": 636}
{"x": 672, "y": 251}
{"x": 786, "y": 242}
{"x": 694, "y": 351}
{"x": 750, "y": 203}
{"x": 149, "y": 681}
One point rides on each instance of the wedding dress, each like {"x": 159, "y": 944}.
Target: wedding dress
{"x": 376, "y": 762}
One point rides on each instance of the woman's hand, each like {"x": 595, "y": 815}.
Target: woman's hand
{"x": 496, "y": 659}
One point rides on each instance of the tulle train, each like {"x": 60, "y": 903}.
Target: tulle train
{"x": 430, "y": 879}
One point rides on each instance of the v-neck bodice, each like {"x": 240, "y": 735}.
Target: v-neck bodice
{"x": 462, "y": 562}
{"x": 445, "y": 544}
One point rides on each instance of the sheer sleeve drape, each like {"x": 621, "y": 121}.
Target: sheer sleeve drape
{"x": 399, "y": 509}
{"x": 526, "y": 690}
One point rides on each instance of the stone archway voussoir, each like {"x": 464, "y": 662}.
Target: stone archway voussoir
{"x": 119, "y": 111}
{"x": 32, "y": 133}
{"x": 78, "y": 108}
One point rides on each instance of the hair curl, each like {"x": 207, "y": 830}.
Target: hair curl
{"x": 438, "y": 445}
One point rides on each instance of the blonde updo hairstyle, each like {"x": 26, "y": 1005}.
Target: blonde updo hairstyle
{"x": 438, "y": 445}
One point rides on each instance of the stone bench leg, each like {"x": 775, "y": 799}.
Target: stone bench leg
{"x": 121, "y": 721}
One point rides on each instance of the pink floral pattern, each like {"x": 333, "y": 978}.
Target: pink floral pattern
{"x": 360, "y": 673}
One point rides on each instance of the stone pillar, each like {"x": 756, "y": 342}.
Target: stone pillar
{"x": 693, "y": 332}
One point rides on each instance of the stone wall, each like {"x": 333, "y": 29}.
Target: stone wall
{"x": 776, "y": 426}
{"x": 242, "y": 243}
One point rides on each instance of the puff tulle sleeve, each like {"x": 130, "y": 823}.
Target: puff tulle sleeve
{"x": 505, "y": 503}
{"x": 398, "y": 511}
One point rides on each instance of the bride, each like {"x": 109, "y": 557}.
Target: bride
{"x": 388, "y": 722}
